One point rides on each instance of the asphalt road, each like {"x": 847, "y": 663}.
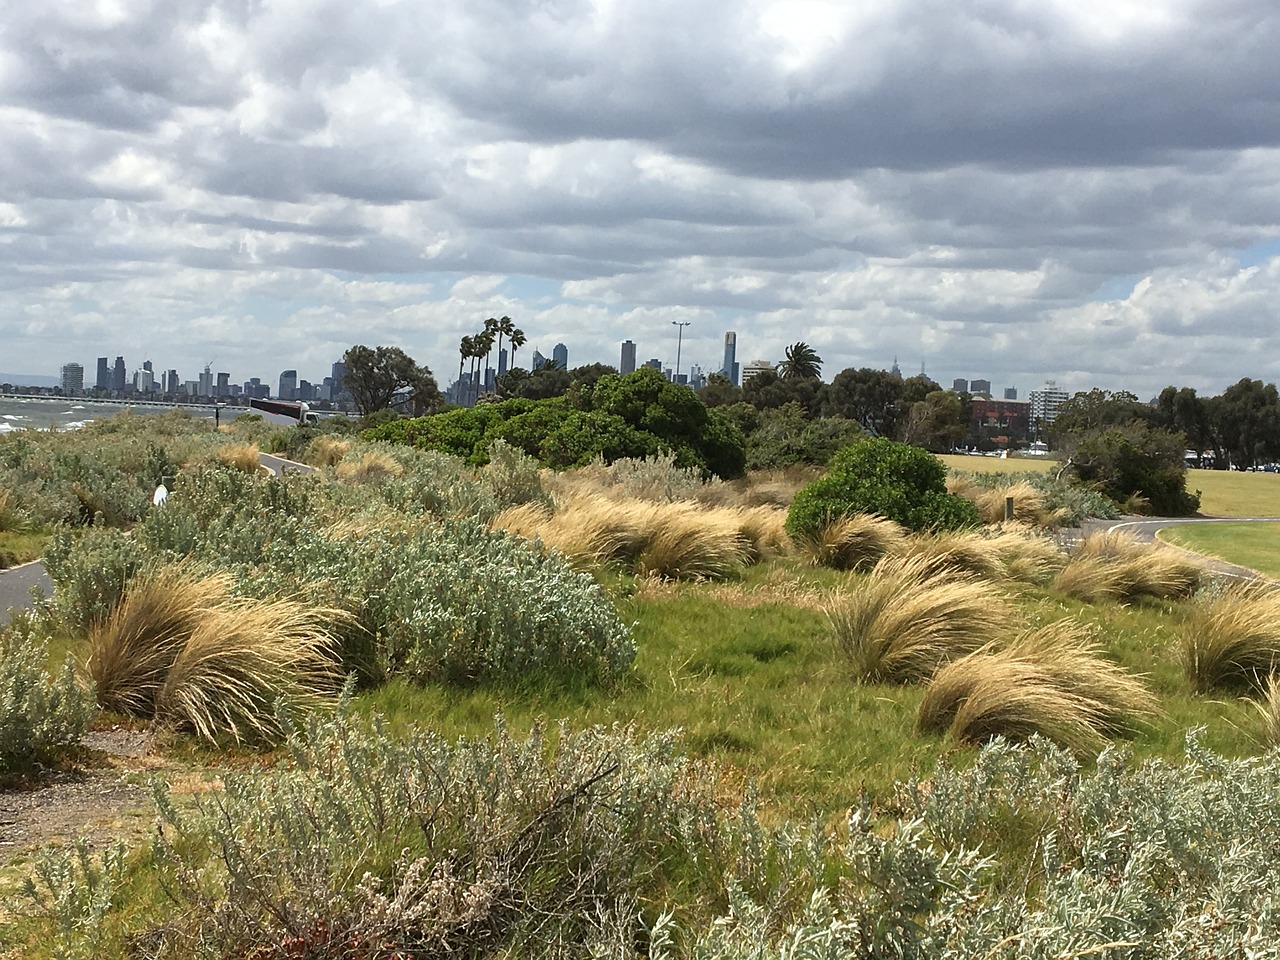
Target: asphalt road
{"x": 1146, "y": 530}
{"x": 16, "y": 582}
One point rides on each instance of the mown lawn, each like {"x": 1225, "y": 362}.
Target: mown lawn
{"x": 1252, "y": 545}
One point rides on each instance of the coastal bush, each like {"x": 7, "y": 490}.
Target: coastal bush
{"x": 40, "y": 715}
{"x": 513, "y": 476}
{"x": 894, "y": 480}
{"x": 904, "y": 618}
{"x": 90, "y": 569}
{"x": 852, "y": 542}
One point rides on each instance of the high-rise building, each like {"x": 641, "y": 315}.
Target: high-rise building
{"x": 171, "y": 382}
{"x": 503, "y": 358}
{"x": 206, "y": 382}
{"x": 223, "y": 387}
{"x": 960, "y": 385}
{"x": 72, "y": 379}
{"x": 1011, "y": 393}
{"x": 628, "y": 363}
{"x": 104, "y": 374}
{"x": 730, "y": 367}
{"x": 980, "y": 386}
{"x": 144, "y": 380}
{"x": 560, "y": 354}
{"x": 288, "y": 385}
{"x": 118, "y": 375}
{"x": 895, "y": 370}
{"x": 1045, "y": 402}
{"x": 539, "y": 361}
{"x": 755, "y": 368}
{"x": 655, "y": 364}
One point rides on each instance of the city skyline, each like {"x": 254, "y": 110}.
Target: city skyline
{"x": 1070, "y": 190}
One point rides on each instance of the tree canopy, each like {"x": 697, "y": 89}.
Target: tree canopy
{"x": 379, "y": 378}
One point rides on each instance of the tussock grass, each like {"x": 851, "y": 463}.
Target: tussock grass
{"x": 853, "y": 542}
{"x": 1232, "y": 639}
{"x": 1113, "y": 566}
{"x": 1010, "y": 551}
{"x": 327, "y": 451}
{"x": 1030, "y": 506}
{"x": 131, "y": 651}
{"x": 679, "y": 540}
{"x": 1051, "y": 681}
{"x": 179, "y": 649}
{"x": 1269, "y": 712}
{"x": 372, "y": 467}
{"x": 904, "y": 618}
{"x": 239, "y": 456}
{"x": 12, "y": 518}
{"x": 958, "y": 551}
{"x": 1024, "y": 554}
{"x": 245, "y": 661}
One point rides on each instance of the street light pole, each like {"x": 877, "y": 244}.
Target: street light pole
{"x": 680, "y": 324}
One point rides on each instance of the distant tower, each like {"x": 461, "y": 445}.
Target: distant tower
{"x": 960, "y": 385}
{"x": 538, "y": 359}
{"x": 72, "y": 379}
{"x": 104, "y": 374}
{"x": 224, "y": 385}
{"x": 288, "y": 385}
{"x": 895, "y": 370}
{"x": 118, "y": 375}
{"x": 560, "y": 354}
{"x": 730, "y": 367}
{"x": 628, "y": 364}
{"x": 1011, "y": 393}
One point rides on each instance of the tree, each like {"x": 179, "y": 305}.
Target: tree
{"x": 719, "y": 391}
{"x": 937, "y": 422}
{"x": 517, "y": 339}
{"x": 384, "y": 377}
{"x": 871, "y": 397}
{"x": 1182, "y": 410}
{"x": 1247, "y": 421}
{"x": 1133, "y": 460}
{"x": 802, "y": 363}
{"x": 767, "y": 391}
{"x": 1087, "y": 413}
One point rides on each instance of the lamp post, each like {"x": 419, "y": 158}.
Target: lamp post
{"x": 680, "y": 325}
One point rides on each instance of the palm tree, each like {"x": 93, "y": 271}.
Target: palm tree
{"x": 464, "y": 351}
{"x": 484, "y": 347}
{"x": 517, "y": 340}
{"x": 802, "y": 363}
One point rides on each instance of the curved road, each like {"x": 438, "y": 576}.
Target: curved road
{"x": 16, "y": 582}
{"x": 1146, "y": 530}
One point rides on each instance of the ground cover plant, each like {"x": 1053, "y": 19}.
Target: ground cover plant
{"x": 714, "y": 821}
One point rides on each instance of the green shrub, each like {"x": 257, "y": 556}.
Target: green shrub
{"x": 1135, "y": 461}
{"x": 90, "y": 569}
{"x": 513, "y": 476}
{"x": 878, "y": 476}
{"x": 40, "y": 715}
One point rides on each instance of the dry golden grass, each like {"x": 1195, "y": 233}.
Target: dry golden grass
{"x": 903, "y": 619}
{"x": 130, "y": 652}
{"x": 1029, "y": 504}
{"x": 1051, "y": 681}
{"x": 245, "y": 661}
{"x": 854, "y": 542}
{"x": 1269, "y": 712}
{"x": 680, "y": 540}
{"x": 327, "y": 451}
{"x": 371, "y": 467}
{"x": 1113, "y": 566}
{"x": 957, "y": 551}
{"x": 239, "y": 456}
{"x": 180, "y": 649}
{"x": 1232, "y": 639}
{"x": 1024, "y": 554}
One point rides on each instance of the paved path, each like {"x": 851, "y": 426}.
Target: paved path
{"x": 278, "y": 465}
{"x": 1145, "y": 530}
{"x": 16, "y": 584}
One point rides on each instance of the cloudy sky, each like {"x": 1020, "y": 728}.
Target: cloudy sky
{"x": 1079, "y": 190}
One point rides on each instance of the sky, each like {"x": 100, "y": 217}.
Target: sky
{"x": 1013, "y": 190}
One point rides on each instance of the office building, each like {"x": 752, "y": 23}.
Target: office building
{"x": 654, "y": 364}
{"x": 104, "y": 374}
{"x": 980, "y": 387}
{"x": 560, "y": 354}
{"x": 960, "y": 385}
{"x": 755, "y": 368}
{"x": 171, "y": 382}
{"x": 206, "y": 383}
{"x": 1011, "y": 393}
{"x": 502, "y": 362}
{"x": 539, "y": 361}
{"x": 730, "y": 367}
{"x": 72, "y": 379}
{"x": 144, "y": 380}
{"x": 288, "y": 385}
{"x": 628, "y": 362}
{"x": 118, "y": 375}
{"x": 223, "y": 385}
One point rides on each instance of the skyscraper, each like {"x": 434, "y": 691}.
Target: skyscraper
{"x": 206, "y": 382}
{"x": 118, "y": 375}
{"x": 539, "y": 361}
{"x": 560, "y": 354}
{"x": 628, "y": 364}
{"x": 730, "y": 367}
{"x": 224, "y": 385}
{"x": 104, "y": 374}
{"x": 288, "y": 385}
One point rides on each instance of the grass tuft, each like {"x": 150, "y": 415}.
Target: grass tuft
{"x": 1269, "y": 712}
{"x": 1113, "y": 566}
{"x": 854, "y": 542}
{"x": 904, "y": 618}
{"x": 1232, "y": 639}
{"x": 1051, "y": 681}
{"x": 327, "y": 451}
{"x": 239, "y": 456}
{"x": 372, "y": 467}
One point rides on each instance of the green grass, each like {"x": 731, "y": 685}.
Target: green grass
{"x": 960, "y": 463}
{"x": 766, "y": 691}
{"x": 1252, "y": 545}
{"x": 16, "y": 548}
